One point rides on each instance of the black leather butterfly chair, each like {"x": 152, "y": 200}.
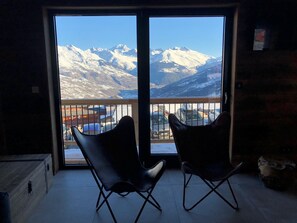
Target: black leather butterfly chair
{"x": 114, "y": 162}
{"x": 204, "y": 151}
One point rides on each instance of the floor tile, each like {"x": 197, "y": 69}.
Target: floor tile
{"x": 73, "y": 196}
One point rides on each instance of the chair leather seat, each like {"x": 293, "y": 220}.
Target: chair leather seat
{"x": 212, "y": 171}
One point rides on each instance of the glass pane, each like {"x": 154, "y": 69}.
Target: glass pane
{"x": 98, "y": 74}
{"x": 185, "y": 74}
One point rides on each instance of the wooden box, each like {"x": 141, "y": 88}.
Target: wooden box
{"x": 24, "y": 180}
{"x": 45, "y": 158}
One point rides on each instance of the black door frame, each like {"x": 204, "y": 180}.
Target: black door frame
{"x": 142, "y": 18}
{"x": 144, "y": 107}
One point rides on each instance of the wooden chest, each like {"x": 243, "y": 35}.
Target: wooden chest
{"x": 24, "y": 180}
{"x": 45, "y": 158}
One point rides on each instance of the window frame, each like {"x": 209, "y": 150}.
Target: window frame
{"x": 142, "y": 26}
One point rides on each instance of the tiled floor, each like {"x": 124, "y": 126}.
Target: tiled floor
{"x": 73, "y": 195}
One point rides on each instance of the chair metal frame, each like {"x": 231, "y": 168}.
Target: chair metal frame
{"x": 105, "y": 197}
{"x": 213, "y": 182}
{"x": 105, "y": 194}
{"x": 213, "y": 188}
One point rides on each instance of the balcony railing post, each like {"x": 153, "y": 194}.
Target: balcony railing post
{"x": 134, "y": 105}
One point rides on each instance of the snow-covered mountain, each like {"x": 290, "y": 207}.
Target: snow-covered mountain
{"x": 120, "y": 56}
{"x": 111, "y": 73}
{"x": 91, "y": 75}
{"x": 206, "y": 83}
{"x": 168, "y": 66}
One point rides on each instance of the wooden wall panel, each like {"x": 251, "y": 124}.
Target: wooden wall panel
{"x": 264, "y": 108}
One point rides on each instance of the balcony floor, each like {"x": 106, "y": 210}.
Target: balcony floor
{"x": 73, "y": 196}
{"x": 73, "y": 154}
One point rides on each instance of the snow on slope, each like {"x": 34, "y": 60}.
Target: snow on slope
{"x": 89, "y": 72}
{"x": 120, "y": 56}
{"x": 105, "y": 73}
{"x": 181, "y": 56}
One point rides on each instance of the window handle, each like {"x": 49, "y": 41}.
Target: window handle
{"x": 226, "y": 98}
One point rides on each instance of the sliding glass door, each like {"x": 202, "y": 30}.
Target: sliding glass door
{"x": 97, "y": 61}
{"x": 185, "y": 73}
{"x": 143, "y": 63}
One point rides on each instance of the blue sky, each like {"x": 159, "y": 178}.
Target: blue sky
{"x": 203, "y": 34}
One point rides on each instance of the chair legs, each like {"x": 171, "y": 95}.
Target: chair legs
{"x": 147, "y": 198}
{"x": 213, "y": 188}
{"x": 105, "y": 197}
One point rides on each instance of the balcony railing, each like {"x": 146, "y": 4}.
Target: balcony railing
{"x": 99, "y": 115}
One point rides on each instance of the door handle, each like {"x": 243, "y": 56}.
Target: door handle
{"x": 226, "y": 98}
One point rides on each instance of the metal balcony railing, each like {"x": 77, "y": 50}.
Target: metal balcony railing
{"x": 99, "y": 115}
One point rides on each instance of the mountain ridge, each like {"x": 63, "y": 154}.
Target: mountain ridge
{"x": 113, "y": 71}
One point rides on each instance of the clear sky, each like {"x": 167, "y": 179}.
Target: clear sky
{"x": 203, "y": 34}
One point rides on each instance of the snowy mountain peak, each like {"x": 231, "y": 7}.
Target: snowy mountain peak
{"x": 70, "y": 46}
{"x": 156, "y": 52}
{"x": 117, "y": 68}
{"x": 120, "y": 48}
{"x": 71, "y": 57}
{"x": 181, "y": 56}
{"x": 94, "y": 49}
{"x": 180, "y": 48}
{"x": 73, "y": 48}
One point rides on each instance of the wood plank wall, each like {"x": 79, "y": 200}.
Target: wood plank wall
{"x": 264, "y": 108}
